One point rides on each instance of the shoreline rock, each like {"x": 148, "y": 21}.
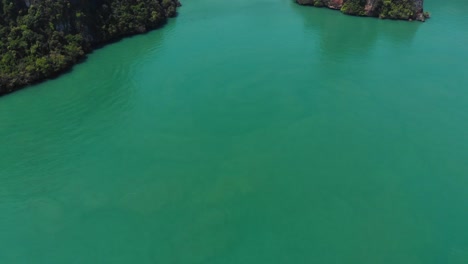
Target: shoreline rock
{"x": 42, "y": 39}
{"x": 386, "y": 9}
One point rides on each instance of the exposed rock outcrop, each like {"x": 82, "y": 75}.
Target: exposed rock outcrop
{"x": 391, "y": 9}
{"x": 42, "y": 38}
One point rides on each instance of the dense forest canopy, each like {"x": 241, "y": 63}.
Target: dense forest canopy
{"x": 40, "y": 38}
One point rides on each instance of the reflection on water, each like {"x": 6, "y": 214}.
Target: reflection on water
{"x": 341, "y": 36}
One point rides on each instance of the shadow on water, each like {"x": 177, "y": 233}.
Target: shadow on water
{"x": 342, "y": 35}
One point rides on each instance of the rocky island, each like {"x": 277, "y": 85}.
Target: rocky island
{"x": 42, "y": 38}
{"x": 391, "y": 9}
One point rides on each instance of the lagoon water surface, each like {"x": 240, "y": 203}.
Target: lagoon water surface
{"x": 248, "y": 131}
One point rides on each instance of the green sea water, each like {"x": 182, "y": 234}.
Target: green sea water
{"x": 247, "y": 131}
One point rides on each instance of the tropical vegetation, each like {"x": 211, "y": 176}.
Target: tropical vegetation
{"x": 42, "y": 38}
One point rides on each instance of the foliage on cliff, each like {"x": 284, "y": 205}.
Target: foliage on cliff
{"x": 48, "y": 36}
{"x": 392, "y": 9}
{"x": 396, "y": 9}
{"x": 354, "y": 7}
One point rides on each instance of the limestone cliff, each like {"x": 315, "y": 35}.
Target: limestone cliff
{"x": 392, "y": 9}
{"x": 42, "y": 38}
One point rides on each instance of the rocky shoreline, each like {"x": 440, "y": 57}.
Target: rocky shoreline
{"x": 385, "y": 9}
{"x": 41, "y": 39}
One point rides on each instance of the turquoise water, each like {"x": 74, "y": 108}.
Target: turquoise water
{"x": 247, "y": 132}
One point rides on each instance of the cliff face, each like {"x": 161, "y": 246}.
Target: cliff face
{"x": 392, "y": 9}
{"x": 41, "y": 38}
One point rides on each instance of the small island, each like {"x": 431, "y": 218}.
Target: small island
{"x": 385, "y": 9}
{"x": 40, "y": 39}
